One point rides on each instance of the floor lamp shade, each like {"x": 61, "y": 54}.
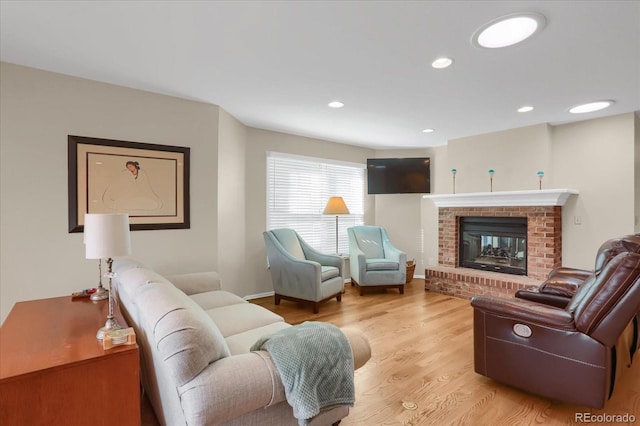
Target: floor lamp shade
{"x": 106, "y": 236}
{"x": 336, "y": 205}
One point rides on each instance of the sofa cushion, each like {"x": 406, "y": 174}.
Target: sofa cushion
{"x": 216, "y": 299}
{"x": 329, "y": 272}
{"x": 241, "y": 343}
{"x": 239, "y": 318}
{"x": 382, "y": 265}
{"x": 290, "y": 242}
{"x": 183, "y": 334}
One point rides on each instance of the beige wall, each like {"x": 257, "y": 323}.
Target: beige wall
{"x": 38, "y": 109}
{"x": 39, "y": 258}
{"x": 259, "y": 142}
{"x": 593, "y": 156}
{"x": 636, "y": 130}
{"x": 231, "y": 197}
{"x": 597, "y": 158}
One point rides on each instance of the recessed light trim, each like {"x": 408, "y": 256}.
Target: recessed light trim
{"x": 525, "y": 108}
{"x": 428, "y": 131}
{"x": 590, "y": 107}
{"x": 335, "y": 104}
{"x": 441, "y": 63}
{"x": 508, "y": 30}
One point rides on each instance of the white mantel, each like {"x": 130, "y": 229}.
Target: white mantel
{"x": 542, "y": 197}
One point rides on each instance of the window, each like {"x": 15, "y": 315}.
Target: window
{"x": 298, "y": 189}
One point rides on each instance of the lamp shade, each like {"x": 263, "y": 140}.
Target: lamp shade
{"x": 106, "y": 235}
{"x": 336, "y": 205}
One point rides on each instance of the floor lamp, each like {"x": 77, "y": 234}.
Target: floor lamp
{"x": 336, "y": 206}
{"x": 107, "y": 236}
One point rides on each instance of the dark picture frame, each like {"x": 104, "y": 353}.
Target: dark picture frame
{"x": 149, "y": 182}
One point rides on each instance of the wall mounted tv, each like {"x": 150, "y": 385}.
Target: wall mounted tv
{"x": 398, "y": 175}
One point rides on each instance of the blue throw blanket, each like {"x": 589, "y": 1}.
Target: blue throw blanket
{"x": 315, "y": 362}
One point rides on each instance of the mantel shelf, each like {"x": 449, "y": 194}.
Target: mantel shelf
{"x": 542, "y": 197}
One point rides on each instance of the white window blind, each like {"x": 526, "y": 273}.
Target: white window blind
{"x": 297, "y": 192}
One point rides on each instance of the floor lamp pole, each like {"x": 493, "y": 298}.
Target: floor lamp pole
{"x": 337, "y": 234}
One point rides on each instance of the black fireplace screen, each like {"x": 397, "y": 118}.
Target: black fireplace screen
{"x": 497, "y": 244}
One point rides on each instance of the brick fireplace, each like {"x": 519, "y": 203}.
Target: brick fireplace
{"x": 544, "y": 240}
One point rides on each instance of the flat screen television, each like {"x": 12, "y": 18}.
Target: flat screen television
{"x": 398, "y": 175}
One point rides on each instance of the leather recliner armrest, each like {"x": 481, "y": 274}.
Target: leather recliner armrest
{"x": 564, "y": 272}
{"x": 535, "y": 295}
{"x": 526, "y": 311}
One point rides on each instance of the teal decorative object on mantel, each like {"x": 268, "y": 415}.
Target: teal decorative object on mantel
{"x": 453, "y": 172}
{"x": 491, "y": 173}
{"x": 540, "y": 176}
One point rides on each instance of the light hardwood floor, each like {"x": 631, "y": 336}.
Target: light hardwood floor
{"x": 422, "y": 352}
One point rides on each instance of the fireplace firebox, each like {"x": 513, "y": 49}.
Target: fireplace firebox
{"x": 497, "y": 244}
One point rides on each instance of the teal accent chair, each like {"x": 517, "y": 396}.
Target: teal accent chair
{"x": 374, "y": 261}
{"x": 299, "y": 272}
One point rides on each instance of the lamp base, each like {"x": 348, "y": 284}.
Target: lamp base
{"x": 111, "y": 324}
{"x": 101, "y": 293}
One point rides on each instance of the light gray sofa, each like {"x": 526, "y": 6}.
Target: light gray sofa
{"x": 194, "y": 339}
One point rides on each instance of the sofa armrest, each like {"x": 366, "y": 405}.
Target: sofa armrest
{"x": 526, "y": 311}
{"x": 231, "y": 387}
{"x": 359, "y": 346}
{"x": 194, "y": 283}
{"x": 239, "y": 384}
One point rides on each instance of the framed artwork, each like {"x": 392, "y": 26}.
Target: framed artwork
{"x": 148, "y": 182}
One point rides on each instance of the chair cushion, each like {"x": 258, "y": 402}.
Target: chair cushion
{"x": 382, "y": 265}
{"x": 370, "y": 241}
{"x": 329, "y": 272}
{"x": 290, "y": 242}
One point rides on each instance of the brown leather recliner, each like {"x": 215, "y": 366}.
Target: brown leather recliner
{"x": 562, "y": 283}
{"x": 567, "y": 354}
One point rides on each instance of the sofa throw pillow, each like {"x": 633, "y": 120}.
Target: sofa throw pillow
{"x": 186, "y": 338}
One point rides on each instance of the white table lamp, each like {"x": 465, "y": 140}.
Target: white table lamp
{"x": 107, "y": 236}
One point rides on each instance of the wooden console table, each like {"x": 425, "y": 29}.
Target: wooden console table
{"x": 54, "y": 371}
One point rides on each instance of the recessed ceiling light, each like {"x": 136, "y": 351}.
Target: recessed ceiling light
{"x": 525, "y": 108}
{"x": 442, "y": 63}
{"x": 590, "y": 107}
{"x": 508, "y": 30}
{"x": 335, "y": 104}
{"x": 427, "y": 131}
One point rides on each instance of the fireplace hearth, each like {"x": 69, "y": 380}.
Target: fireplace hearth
{"x": 496, "y": 244}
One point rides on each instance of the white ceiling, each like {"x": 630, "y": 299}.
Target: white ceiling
{"x": 276, "y": 64}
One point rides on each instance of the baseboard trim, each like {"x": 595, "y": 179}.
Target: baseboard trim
{"x": 259, "y": 295}
{"x": 419, "y": 276}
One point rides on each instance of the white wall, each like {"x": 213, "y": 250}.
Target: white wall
{"x": 38, "y": 109}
